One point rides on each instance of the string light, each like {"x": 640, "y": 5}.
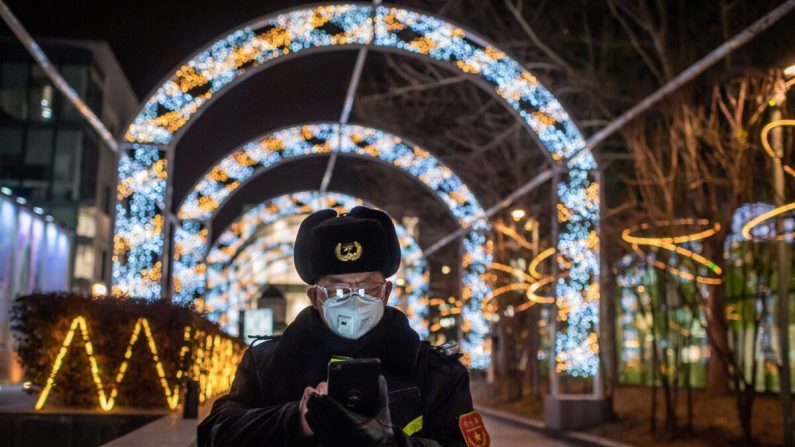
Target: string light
{"x": 229, "y": 289}
{"x": 513, "y": 287}
{"x": 234, "y": 170}
{"x": 747, "y": 230}
{"x": 138, "y": 241}
{"x": 533, "y": 281}
{"x": 107, "y": 400}
{"x": 511, "y": 233}
{"x": 769, "y": 149}
{"x": 668, "y": 243}
{"x": 512, "y": 270}
{"x": 532, "y": 268}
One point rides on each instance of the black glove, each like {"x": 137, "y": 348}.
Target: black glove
{"x": 334, "y": 424}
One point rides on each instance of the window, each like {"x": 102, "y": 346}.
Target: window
{"x": 40, "y": 97}
{"x": 107, "y": 204}
{"x": 94, "y": 93}
{"x": 84, "y": 261}
{"x": 10, "y": 152}
{"x": 13, "y": 91}
{"x": 88, "y": 167}
{"x": 103, "y": 275}
{"x": 69, "y": 144}
{"x": 77, "y": 77}
{"x": 86, "y": 223}
{"x": 38, "y": 154}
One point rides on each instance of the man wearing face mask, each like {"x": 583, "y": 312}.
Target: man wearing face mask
{"x": 279, "y": 394}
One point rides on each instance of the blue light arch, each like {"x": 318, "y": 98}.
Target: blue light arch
{"x": 238, "y": 244}
{"x": 143, "y": 187}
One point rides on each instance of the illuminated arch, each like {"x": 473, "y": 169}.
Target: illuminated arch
{"x": 227, "y": 290}
{"x": 143, "y": 171}
{"x": 191, "y": 237}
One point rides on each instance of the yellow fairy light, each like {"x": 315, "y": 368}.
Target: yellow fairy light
{"x": 746, "y": 230}
{"x": 531, "y": 292}
{"x": 628, "y": 236}
{"x": 503, "y": 290}
{"x": 533, "y": 267}
{"x": 668, "y": 243}
{"x": 518, "y": 214}
{"x": 769, "y": 149}
{"x": 678, "y": 272}
{"x": 512, "y": 270}
{"x": 217, "y": 368}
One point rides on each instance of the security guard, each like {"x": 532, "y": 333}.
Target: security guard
{"x": 279, "y": 394}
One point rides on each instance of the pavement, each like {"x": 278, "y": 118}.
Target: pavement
{"x": 508, "y": 434}
{"x": 173, "y": 431}
{"x": 12, "y": 398}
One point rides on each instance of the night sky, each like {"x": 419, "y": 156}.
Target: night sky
{"x": 151, "y": 38}
{"x": 148, "y": 37}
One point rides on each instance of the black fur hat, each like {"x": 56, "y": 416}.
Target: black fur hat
{"x": 363, "y": 240}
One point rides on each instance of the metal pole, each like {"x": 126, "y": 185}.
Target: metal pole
{"x": 782, "y": 311}
{"x": 537, "y": 181}
{"x": 687, "y": 75}
{"x": 60, "y": 83}
{"x": 691, "y": 72}
{"x": 554, "y": 383}
{"x": 347, "y": 106}
{"x": 169, "y": 225}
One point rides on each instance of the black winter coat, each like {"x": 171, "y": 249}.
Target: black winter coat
{"x": 261, "y": 409}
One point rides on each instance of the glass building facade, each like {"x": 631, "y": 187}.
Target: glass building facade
{"x": 52, "y": 157}
{"x": 34, "y": 257}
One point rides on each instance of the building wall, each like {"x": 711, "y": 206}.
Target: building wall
{"x": 34, "y": 256}
{"x": 51, "y": 156}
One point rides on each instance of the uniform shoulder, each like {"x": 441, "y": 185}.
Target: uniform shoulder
{"x": 263, "y": 346}
{"x": 446, "y": 357}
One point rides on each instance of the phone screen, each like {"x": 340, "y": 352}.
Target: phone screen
{"x": 354, "y": 384}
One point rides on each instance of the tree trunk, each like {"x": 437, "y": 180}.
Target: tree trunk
{"x": 533, "y": 343}
{"x": 717, "y": 325}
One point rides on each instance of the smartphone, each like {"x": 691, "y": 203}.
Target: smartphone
{"x": 354, "y": 384}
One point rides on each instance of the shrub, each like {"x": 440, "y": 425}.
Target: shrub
{"x": 41, "y": 323}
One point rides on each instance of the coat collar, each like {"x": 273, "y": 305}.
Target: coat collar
{"x": 309, "y": 340}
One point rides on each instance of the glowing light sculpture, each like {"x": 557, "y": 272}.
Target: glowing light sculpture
{"x": 241, "y": 165}
{"x": 669, "y": 243}
{"x": 755, "y": 222}
{"x": 215, "y": 376}
{"x": 231, "y": 282}
{"x": 138, "y": 249}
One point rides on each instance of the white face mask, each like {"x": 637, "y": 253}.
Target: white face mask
{"x": 353, "y": 315}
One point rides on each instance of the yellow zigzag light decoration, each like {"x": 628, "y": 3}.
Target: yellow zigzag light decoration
{"x": 214, "y": 373}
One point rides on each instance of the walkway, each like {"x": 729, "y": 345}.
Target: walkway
{"x": 506, "y": 434}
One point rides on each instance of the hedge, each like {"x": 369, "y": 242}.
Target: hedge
{"x": 41, "y": 323}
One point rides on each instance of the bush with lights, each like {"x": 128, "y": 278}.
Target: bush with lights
{"x": 80, "y": 351}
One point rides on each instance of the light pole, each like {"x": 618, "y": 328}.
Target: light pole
{"x": 782, "y": 317}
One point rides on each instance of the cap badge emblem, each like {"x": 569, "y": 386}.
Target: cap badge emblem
{"x": 348, "y": 251}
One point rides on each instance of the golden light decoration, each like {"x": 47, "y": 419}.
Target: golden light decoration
{"x": 758, "y": 220}
{"x": 533, "y": 267}
{"x": 769, "y": 149}
{"x": 518, "y": 214}
{"x": 239, "y": 53}
{"x": 513, "y": 234}
{"x": 214, "y": 375}
{"x": 749, "y": 226}
{"x": 630, "y": 236}
{"x": 533, "y": 281}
